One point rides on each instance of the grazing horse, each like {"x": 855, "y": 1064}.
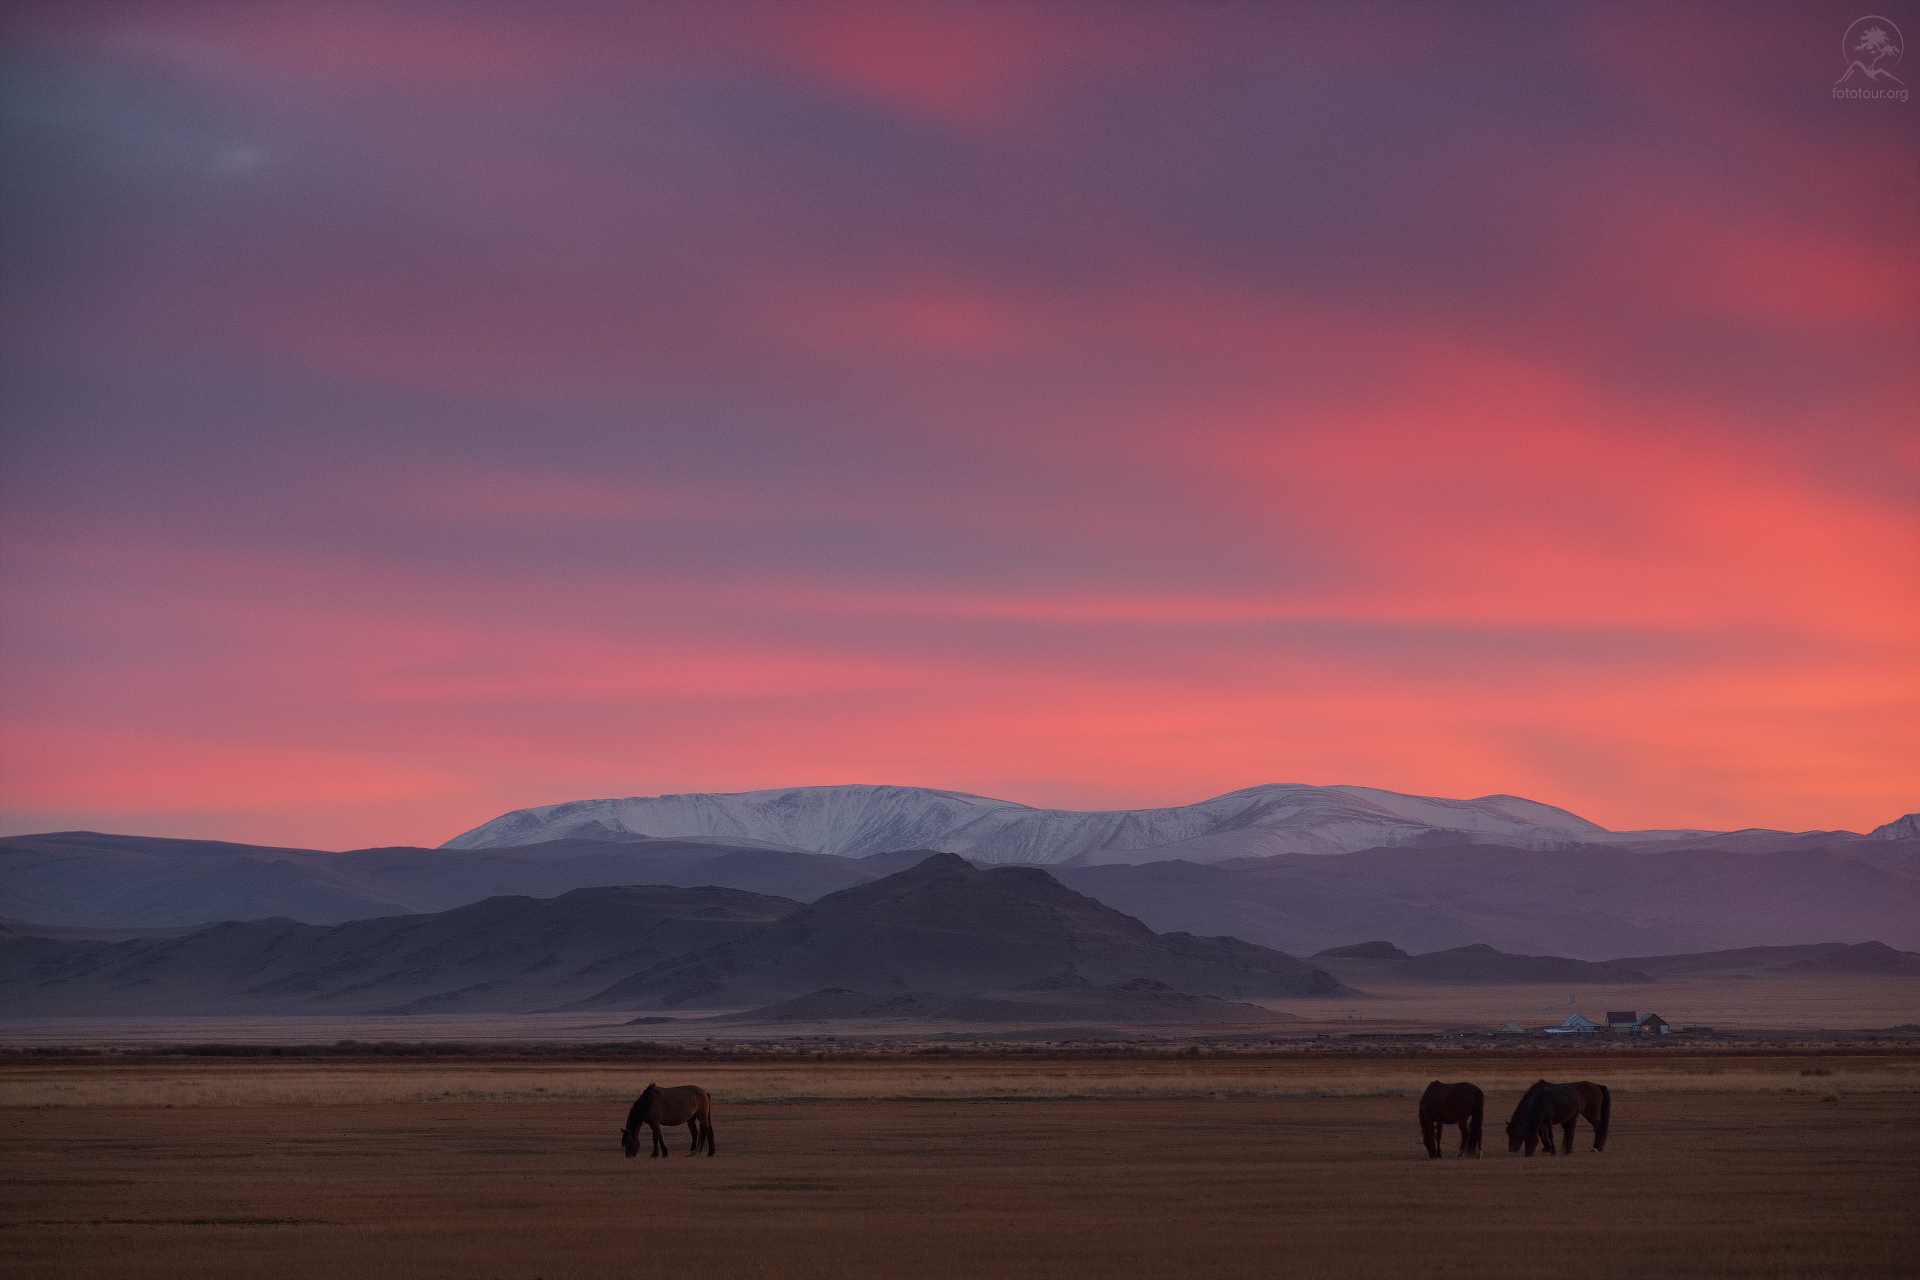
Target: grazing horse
{"x": 687, "y": 1104}
{"x": 1445, "y": 1104}
{"x": 1545, "y": 1105}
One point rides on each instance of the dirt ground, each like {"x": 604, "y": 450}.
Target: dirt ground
{"x": 1774, "y": 1169}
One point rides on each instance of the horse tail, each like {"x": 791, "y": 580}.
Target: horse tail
{"x": 1606, "y": 1114}
{"x": 1473, "y": 1125}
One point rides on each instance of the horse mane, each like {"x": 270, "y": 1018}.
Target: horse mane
{"x": 639, "y": 1109}
{"x": 1533, "y": 1104}
{"x": 1520, "y": 1108}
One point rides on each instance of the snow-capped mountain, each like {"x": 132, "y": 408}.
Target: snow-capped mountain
{"x": 856, "y": 821}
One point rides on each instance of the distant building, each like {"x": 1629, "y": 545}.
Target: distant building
{"x": 1512, "y": 1029}
{"x": 1574, "y": 1025}
{"x": 1653, "y": 1025}
{"x": 1618, "y": 1020}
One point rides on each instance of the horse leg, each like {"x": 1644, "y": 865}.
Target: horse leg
{"x": 1463, "y": 1139}
{"x": 693, "y": 1128}
{"x": 659, "y": 1141}
{"x": 1568, "y": 1129}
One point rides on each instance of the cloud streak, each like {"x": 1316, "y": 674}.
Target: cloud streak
{"x": 415, "y": 411}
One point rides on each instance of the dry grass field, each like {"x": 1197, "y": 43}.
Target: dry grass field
{"x": 1798, "y": 1002}
{"x": 1750, "y": 1163}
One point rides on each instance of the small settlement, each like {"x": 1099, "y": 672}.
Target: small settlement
{"x": 1627, "y": 1022}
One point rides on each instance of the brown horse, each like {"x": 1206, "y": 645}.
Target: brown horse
{"x": 1445, "y": 1104}
{"x": 1546, "y": 1105}
{"x": 688, "y": 1105}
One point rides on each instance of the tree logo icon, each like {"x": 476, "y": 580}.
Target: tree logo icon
{"x": 1872, "y": 47}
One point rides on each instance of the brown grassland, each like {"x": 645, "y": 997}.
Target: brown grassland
{"x": 1753, "y": 1161}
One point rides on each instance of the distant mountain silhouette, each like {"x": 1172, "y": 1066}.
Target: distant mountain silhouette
{"x": 1363, "y": 951}
{"x": 1827, "y": 957}
{"x": 1475, "y": 965}
{"x": 1583, "y": 900}
{"x": 503, "y": 954}
{"x": 1903, "y": 828}
{"x": 940, "y": 941}
{"x": 1481, "y": 964}
{"x": 84, "y": 878}
{"x": 1589, "y": 901}
{"x": 947, "y": 927}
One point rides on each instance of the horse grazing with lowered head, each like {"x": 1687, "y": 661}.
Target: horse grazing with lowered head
{"x": 688, "y": 1104}
{"x": 1445, "y": 1104}
{"x": 1545, "y": 1105}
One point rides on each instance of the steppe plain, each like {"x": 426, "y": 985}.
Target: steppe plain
{"x": 1790, "y": 1154}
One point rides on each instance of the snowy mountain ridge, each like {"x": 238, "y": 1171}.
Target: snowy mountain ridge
{"x": 858, "y": 820}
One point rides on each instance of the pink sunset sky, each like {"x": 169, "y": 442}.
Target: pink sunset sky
{"x": 415, "y": 411}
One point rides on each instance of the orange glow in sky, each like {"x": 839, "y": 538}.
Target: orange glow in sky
{"x": 414, "y": 412}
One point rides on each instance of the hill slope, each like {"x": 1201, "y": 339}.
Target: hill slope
{"x": 947, "y": 927}
{"x": 1828, "y": 957}
{"x": 87, "y": 879}
{"x": 503, "y": 954}
{"x": 1592, "y": 902}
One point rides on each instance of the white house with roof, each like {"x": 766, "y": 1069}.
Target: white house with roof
{"x": 1575, "y": 1025}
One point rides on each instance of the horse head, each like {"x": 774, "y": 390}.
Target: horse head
{"x": 630, "y": 1142}
{"x": 1526, "y": 1118}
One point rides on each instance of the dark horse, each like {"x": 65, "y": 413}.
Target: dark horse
{"x": 1445, "y": 1104}
{"x": 688, "y": 1105}
{"x": 1546, "y": 1105}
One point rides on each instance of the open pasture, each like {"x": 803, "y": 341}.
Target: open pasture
{"x": 797, "y": 1073}
{"x": 1749, "y": 1165}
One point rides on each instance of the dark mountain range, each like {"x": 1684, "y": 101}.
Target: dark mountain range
{"x": 1362, "y": 951}
{"x": 943, "y": 940}
{"x": 103, "y": 881}
{"x": 948, "y": 927}
{"x": 1829, "y": 957}
{"x": 499, "y": 955}
{"x": 86, "y": 933}
{"x": 1905, "y": 827}
{"x": 1475, "y": 965}
{"x": 1588, "y": 901}
{"x": 940, "y": 928}
{"x": 1480, "y": 964}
